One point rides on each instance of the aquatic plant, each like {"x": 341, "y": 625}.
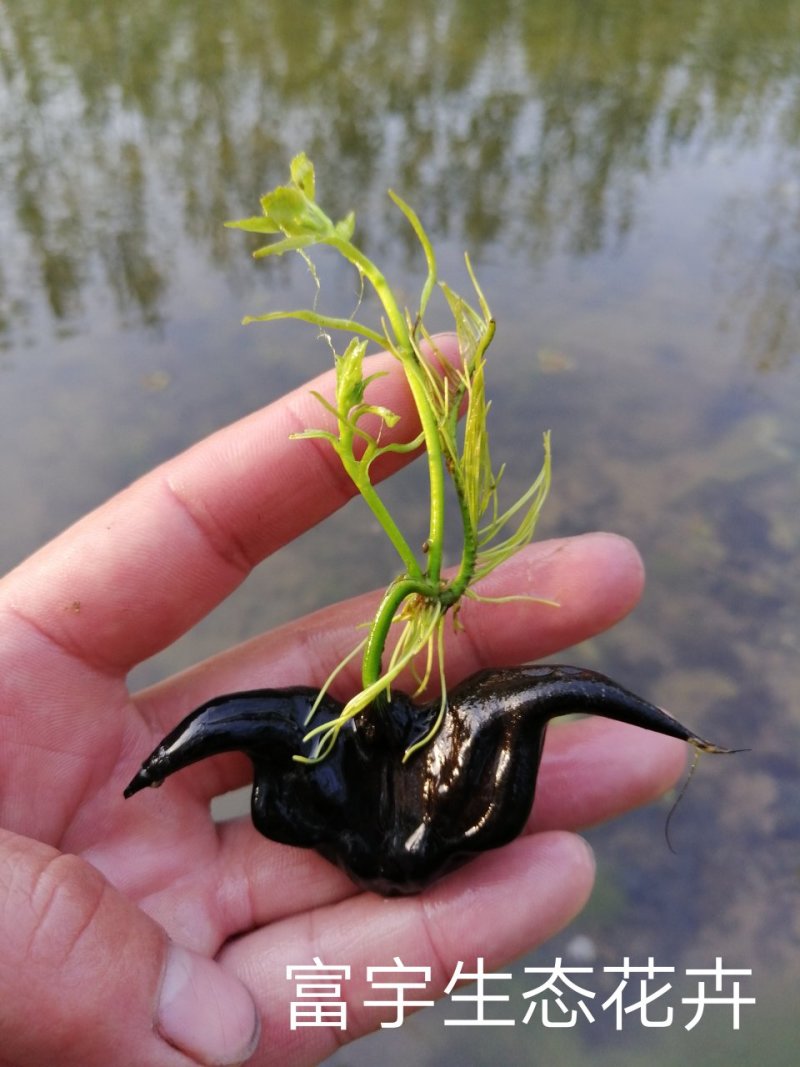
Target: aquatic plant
{"x": 451, "y": 404}
{"x": 394, "y": 788}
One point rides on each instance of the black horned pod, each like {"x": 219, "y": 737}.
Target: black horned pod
{"x": 396, "y": 826}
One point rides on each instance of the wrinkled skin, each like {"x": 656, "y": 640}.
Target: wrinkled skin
{"x": 396, "y": 826}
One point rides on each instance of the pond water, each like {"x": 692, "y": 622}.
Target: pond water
{"x": 626, "y": 178}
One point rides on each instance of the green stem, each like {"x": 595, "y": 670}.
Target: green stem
{"x": 379, "y": 284}
{"x": 433, "y": 448}
{"x": 419, "y": 598}
{"x": 406, "y": 353}
{"x": 397, "y": 592}
{"x": 428, "y": 588}
{"x": 455, "y": 589}
{"x": 376, "y": 505}
{"x": 413, "y": 583}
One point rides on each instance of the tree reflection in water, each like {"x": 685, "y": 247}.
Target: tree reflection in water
{"x": 534, "y": 120}
{"x": 532, "y": 134}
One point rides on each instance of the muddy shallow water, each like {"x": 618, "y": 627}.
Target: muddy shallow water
{"x": 626, "y": 181}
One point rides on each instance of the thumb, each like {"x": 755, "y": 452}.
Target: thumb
{"x": 88, "y": 980}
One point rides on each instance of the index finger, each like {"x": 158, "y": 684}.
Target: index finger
{"x": 135, "y": 574}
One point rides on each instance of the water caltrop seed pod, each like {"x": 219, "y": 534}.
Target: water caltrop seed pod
{"x": 397, "y": 825}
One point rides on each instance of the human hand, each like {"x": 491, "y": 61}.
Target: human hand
{"x": 143, "y": 933}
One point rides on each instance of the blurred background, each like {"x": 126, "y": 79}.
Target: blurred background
{"x": 625, "y": 176}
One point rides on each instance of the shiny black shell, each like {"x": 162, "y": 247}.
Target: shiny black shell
{"x": 396, "y": 826}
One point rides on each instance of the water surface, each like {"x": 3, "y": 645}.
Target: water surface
{"x": 625, "y": 177}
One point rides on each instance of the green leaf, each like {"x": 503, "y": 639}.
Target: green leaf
{"x": 325, "y": 322}
{"x": 255, "y": 224}
{"x": 312, "y": 435}
{"x": 293, "y": 213}
{"x": 302, "y": 172}
{"x": 386, "y": 415}
{"x": 350, "y": 384}
{"x": 416, "y": 603}
{"x": 288, "y": 244}
{"x": 345, "y": 227}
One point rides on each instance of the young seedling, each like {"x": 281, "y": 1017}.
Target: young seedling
{"x": 395, "y": 789}
{"x": 419, "y": 599}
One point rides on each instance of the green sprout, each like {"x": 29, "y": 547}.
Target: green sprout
{"x": 417, "y": 601}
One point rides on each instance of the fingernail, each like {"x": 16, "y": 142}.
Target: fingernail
{"x": 589, "y": 853}
{"x": 206, "y": 1012}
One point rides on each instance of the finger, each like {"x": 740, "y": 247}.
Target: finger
{"x": 502, "y": 905}
{"x": 595, "y": 580}
{"x": 592, "y": 770}
{"x": 87, "y": 980}
{"x": 134, "y": 575}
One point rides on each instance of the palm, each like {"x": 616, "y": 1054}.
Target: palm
{"x": 132, "y": 577}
